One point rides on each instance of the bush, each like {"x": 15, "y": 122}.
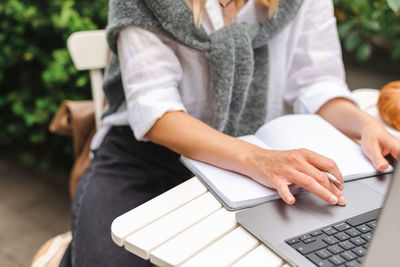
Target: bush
{"x": 37, "y": 74}
{"x": 367, "y": 24}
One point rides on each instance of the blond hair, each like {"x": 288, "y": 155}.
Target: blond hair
{"x": 198, "y": 7}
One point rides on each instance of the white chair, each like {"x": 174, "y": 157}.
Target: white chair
{"x": 89, "y": 51}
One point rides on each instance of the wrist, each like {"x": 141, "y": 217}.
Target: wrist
{"x": 248, "y": 158}
{"x": 368, "y": 121}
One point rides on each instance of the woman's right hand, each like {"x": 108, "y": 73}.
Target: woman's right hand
{"x": 279, "y": 169}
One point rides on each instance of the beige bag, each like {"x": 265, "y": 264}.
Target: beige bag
{"x": 76, "y": 119}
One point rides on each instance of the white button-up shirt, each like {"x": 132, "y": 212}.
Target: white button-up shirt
{"x": 159, "y": 75}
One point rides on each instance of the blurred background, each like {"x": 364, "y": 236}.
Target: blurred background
{"x": 37, "y": 74}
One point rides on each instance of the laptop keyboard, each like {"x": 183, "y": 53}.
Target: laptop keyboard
{"x": 340, "y": 244}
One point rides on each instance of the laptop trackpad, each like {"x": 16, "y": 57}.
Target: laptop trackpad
{"x": 275, "y": 221}
{"x": 360, "y": 199}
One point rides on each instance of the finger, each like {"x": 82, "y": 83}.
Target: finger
{"x": 332, "y": 186}
{"x": 373, "y": 151}
{"x": 320, "y": 177}
{"x": 340, "y": 187}
{"x": 282, "y": 186}
{"x": 284, "y": 192}
{"x": 309, "y": 183}
{"x": 341, "y": 198}
{"x": 325, "y": 164}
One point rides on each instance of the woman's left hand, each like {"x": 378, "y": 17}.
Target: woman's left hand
{"x": 377, "y": 142}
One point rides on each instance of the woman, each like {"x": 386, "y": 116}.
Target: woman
{"x": 185, "y": 78}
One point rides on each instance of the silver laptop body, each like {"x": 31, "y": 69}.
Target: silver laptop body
{"x": 275, "y": 222}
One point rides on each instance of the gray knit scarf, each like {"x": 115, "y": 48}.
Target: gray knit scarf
{"x": 238, "y": 56}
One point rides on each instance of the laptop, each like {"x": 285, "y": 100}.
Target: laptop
{"x": 313, "y": 233}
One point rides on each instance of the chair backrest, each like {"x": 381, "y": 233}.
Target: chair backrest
{"x": 89, "y": 51}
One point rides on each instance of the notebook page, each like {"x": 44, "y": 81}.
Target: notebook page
{"x": 234, "y": 189}
{"x": 314, "y": 133}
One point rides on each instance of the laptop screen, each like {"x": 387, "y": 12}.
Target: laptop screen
{"x": 383, "y": 249}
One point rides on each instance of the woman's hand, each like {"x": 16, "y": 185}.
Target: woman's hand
{"x": 279, "y": 169}
{"x": 377, "y": 143}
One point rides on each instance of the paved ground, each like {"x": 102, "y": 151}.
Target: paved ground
{"x": 35, "y": 206}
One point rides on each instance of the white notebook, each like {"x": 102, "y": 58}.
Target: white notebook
{"x": 236, "y": 191}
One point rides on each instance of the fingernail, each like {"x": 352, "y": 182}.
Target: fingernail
{"x": 289, "y": 199}
{"x": 333, "y": 199}
{"x": 381, "y": 165}
{"x": 342, "y": 200}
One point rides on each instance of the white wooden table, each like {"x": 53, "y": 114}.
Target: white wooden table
{"x": 187, "y": 226}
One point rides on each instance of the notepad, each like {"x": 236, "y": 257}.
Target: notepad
{"x": 237, "y": 191}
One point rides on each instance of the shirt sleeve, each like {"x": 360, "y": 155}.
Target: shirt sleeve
{"x": 150, "y": 74}
{"x": 316, "y": 74}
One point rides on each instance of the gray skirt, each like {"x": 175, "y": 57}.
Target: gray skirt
{"x": 123, "y": 174}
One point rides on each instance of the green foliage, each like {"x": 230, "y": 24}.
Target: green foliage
{"x": 365, "y": 25}
{"x": 37, "y": 74}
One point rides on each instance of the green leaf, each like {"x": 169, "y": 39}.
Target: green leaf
{"x": 352, "y": 40}
{"x": 37, "y": 138}
{"x": 395, "y": 55}
{"x": 371, "y": 25}
{"x": 81, "y": 81}
{"x": 364, "y": 52}
{"x": 30, "y": 119}
{"x": 345, "y": 28}
{"x": 41, "y": 103}
{"x": 18, "y": 108}
{"x": 394, "y": 5}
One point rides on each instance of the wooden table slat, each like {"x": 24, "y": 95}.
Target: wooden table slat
{"x": 260, "y": 254}
{"x": 155, "y": 208}
{"x": 165, "y": 228}
{"x": 226, "y": 250}
{"x": 196, "y": 238}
